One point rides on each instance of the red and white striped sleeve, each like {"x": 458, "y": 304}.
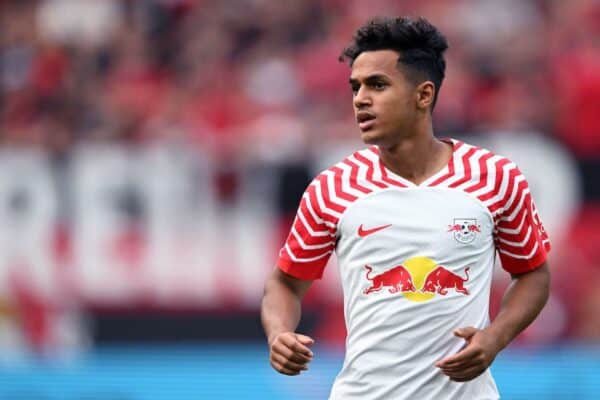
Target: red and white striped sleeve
{"x": 312, "y": 237}
{"x": 521, "y": 239}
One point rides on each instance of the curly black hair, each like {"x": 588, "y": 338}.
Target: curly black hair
{"x": 419, "y": 43}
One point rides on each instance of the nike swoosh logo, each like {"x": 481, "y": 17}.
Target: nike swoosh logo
{"x": 362, "y": 232}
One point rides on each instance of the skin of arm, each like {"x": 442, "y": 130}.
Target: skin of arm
{"x": 521, "y": 304}
{"x": 281, "y": 309}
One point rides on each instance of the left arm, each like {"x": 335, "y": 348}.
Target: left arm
{"x": 521, "y": 304}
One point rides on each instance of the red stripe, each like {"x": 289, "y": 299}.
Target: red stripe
{"x": 353, "y": 177}
{"x": 386, "y": 178}
{"x": 384, "y": 175}
{"x": 497, "y": 182}
{"x": 307, "y": 270}
{"x": 300, "y": 252}
{"x": 518, "y": 236}
{"x": 483, "y": 174}
{"x": 329, "y": 203}
{"x": 313, "y": 201}
{"x": 308, "y": 237}
{"x": 451, "y": 172}
{"x": 514, "y": 224}
{"x": 516, "y": 266}
{"x": 370, "y": 170}
{"x": 517, "y": 219}
{"x": 339, "y": 187}
{"x": 510, "y": 189}
{"x": 314, "y": 224}
{"x": 520, "y": 189}
{"x": 523, "y": 250}
{"x": 468, "y": 173}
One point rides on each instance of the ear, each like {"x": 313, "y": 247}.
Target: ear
{"x": 425, "y": 93}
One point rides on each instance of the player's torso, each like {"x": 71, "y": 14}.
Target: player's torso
{"x": 415, "y": 263}
{"x": 418, "y": 240}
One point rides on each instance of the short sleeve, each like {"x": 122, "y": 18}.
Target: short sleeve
{"x": 521, "y": 240}
{"x": 311, "y": 239}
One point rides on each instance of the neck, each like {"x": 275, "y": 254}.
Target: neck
{"x": 416, "y": 158}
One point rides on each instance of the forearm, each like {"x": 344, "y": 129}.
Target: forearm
{"x": 280, "y": 310}
{"x": 522, "y": 302}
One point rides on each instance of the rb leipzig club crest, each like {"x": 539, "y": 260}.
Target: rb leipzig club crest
{"x": 464, "y": 230}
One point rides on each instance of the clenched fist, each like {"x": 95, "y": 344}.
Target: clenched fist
{"x": 289, "y": 352}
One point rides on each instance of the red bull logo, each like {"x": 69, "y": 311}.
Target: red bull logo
{"x": 417, "y": 279}
{"x": 441, "y": 279}
{"x": 464, "y": 230}
{"x": 397, "y": 279}
{"x": 473, "y": 228}
{"x": 454, "y": 228}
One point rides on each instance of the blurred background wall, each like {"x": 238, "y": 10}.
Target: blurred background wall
{"x": 153, "y": 153}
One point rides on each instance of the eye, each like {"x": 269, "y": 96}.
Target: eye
{"x": 379, "y": 85}
{"x": 354, "y": 89}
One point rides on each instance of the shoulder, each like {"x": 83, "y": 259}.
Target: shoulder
{"x": 348, "y": 169}
{"x": 338, "y": 186}
{"x": 350, "y": 164}
{"x": 499, "y": 180}
{"x": 484, "y": 161}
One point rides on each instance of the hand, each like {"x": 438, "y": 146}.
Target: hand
{"x": 289, "y": 352}
{"x": 474, "y": 358}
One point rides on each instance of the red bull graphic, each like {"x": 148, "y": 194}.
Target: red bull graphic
{"x": 441, "y": 279}
{"x": 464, "y": 230}
{"x": 474, "y": 228}
{"x": 418, "y": 279}
{"x": 454, "y": 228}
{"x": 398, "y": 279}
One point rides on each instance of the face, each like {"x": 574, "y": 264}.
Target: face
{"x": 386, "y": 103}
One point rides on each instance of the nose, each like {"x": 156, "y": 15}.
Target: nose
{"x": 362, "y": 98}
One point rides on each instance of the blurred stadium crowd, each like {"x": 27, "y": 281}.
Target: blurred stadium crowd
{"x": 253, "y": 89}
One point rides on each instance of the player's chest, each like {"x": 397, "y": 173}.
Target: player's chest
{"x": 423, "y": 219}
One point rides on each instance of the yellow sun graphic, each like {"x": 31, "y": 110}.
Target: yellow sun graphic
{"x": 419, "y": 267}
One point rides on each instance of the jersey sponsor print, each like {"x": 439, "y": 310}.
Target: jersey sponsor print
{"x": 415, "y": 262}
{"x": 400, "y": 279}
{"x": 397, "y": 279}
{"x": 464, "y": 229}
{"x": 366, "y": 232}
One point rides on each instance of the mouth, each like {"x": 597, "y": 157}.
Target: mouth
{"x": 365, "y": 120}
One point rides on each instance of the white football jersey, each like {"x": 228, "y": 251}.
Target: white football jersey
{"x": 415, "y": 263}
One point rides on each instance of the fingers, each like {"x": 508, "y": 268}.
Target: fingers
{"x": 289, "y": 353}
{"x": 465, "y": 333}
{"x": 292, "y": 342}
{"x": 472, "y": 360}
{"x": 477, "y": 362}
{"x": 284, "y": 370}
{"x": 287, "y": 363}
{"x": 459, "y": 359}
{"x": 465, "y": 369}
{"x": 466, "y": 374}
{"x": 305, "y": 340}
{"x": 286, "y": 366}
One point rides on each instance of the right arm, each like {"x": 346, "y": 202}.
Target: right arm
{"x": 301, "y": 260}
{"x": 280, "y": 314}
